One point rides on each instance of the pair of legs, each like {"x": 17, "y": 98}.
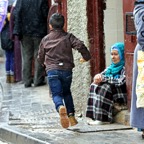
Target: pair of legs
{"x": 9, "y": 65}
{"x": 60, "y": 84}
{"x": 101, "y": 100}
{"x": 30, "y": 46}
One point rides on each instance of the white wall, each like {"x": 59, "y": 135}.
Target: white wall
{"x": 113, "y": 25}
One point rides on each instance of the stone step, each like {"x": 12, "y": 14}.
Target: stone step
{"x": 15, "y": 137}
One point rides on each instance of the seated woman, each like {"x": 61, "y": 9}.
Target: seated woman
{"x": 108, "y": 88}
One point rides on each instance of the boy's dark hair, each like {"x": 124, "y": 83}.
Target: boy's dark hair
{"x": 57, "y": 21}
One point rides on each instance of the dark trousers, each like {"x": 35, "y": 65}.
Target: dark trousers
{"x": 30, "y": 46}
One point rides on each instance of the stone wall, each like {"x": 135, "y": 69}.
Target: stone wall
{"x": 77, "y": 24}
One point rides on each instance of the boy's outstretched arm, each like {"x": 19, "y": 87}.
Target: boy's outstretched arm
{"x": 79, "y": 45}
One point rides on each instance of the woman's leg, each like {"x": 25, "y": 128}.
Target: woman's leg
{"x": 100, "y": 103}
{"x": 12, "y": 66}
{"x": 7, "y": 66}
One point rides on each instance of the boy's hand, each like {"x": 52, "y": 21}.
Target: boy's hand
{"x": 82, "y": 60}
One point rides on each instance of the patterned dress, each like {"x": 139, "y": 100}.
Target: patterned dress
{"x": 137, "y": 114}
{"x": 103, "y": 96}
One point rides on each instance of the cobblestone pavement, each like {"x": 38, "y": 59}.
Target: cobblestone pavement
{"x": 30, "y": 111}
{"x": 3, "y": 142}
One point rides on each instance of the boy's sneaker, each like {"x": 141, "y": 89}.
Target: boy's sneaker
{"x": 72, "y": 120}
{"x": 63, "y": 117}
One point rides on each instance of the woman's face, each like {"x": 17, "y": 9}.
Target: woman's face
{"x": 115, "y": 56}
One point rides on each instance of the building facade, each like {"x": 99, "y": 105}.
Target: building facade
{"x": 99, "y": 23}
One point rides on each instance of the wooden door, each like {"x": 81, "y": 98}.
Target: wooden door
{"x": 130, "y": 43}
{"x": 59, "y": 6}
{"x": 95, "y": 25}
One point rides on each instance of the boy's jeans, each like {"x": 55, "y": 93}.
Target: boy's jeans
{"x": 60, "y": 83}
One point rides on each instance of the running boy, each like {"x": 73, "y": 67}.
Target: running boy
{"x": 55, "y": 53}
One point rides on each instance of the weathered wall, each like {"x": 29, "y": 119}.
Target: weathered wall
{"x": 77, "y": 24}
{"x": 113, "y": 25}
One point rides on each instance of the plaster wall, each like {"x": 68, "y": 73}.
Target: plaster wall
{"x": 77, "y": 24}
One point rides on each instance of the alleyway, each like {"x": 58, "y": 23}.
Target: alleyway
{"x": 28, "y": 116}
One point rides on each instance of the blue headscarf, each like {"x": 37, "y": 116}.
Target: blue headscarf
{"x": 114, "y": 69}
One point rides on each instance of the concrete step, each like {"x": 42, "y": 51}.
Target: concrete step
{"x": 15, "y": 137}
{"x": 43, "y": 134}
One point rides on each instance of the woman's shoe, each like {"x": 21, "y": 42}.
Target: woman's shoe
{"x": 8, "y": 79}
{"x": 12, "y": 80}
{"x": 96, "y": 122}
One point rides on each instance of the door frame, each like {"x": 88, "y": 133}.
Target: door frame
{"x": 95, "y": 27}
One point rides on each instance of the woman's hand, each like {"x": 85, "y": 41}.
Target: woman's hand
{"x": 97, "y": 78}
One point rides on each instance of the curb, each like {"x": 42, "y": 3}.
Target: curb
{"x": 15, "y": 137}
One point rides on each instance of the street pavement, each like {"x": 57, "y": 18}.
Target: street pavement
{"x": 28, "y": 116}
{"x": 2, "y": 142}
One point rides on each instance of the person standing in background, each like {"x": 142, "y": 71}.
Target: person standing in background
{"x": 30, "y": 25}
{"x": 17, "y": 48}
{"x": 137, "y": 105}
{"x": 8, "y": 46}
